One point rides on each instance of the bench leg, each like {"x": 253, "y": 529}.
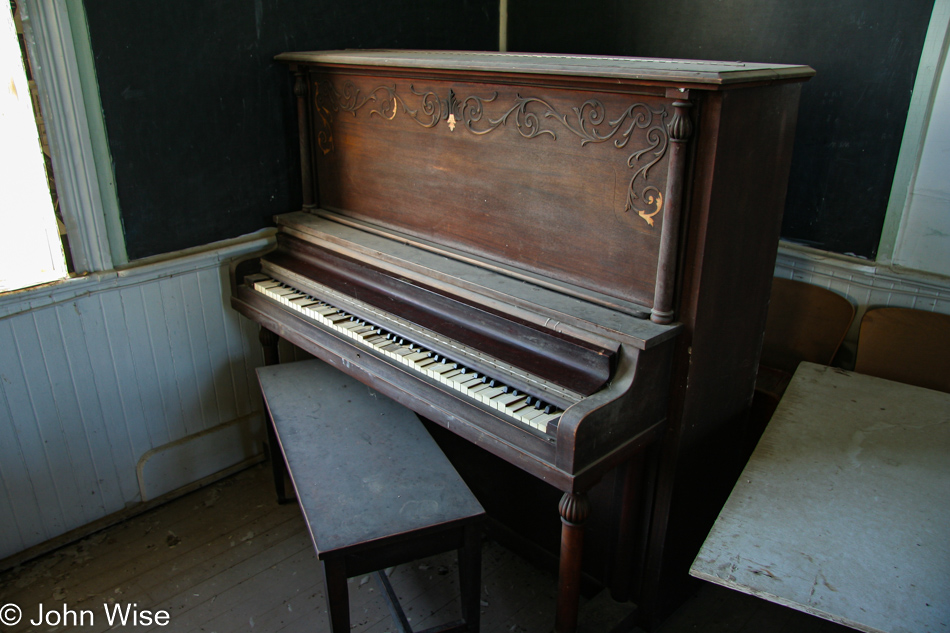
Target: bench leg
{"x": 269, "y": 342}
{"x": 338, "y": 598}
{"x": 470, "y": 578}
{"x": 400, "y": 621}
{"x": 277, "y": 464}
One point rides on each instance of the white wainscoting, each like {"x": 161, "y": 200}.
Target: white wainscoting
{"x": 120, "y": 386}
{"x": 98, "y": 375}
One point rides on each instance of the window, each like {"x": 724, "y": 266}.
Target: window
{"x": 31, "y": 250}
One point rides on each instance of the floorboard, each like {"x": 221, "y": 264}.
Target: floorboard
{"x": 227, "y": 558}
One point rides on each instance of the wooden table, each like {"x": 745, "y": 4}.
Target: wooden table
{"x": 843, "y": 510}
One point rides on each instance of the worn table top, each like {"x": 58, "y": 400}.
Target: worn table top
{"x": 843, "y": 510}
{"x": 363, "y": 466}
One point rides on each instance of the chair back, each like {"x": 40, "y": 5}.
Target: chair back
{"x": 905, "y": 345}
{"x": 805, "y": 322}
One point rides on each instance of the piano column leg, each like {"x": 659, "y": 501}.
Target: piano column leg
{"x": 574, "y": 509}
{"x": 269, "y": 342}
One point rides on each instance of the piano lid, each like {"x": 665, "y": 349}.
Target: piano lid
{"x": 705, "y": 73}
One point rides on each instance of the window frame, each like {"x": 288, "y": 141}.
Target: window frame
{"x": 57, "y": 40}
{"x": 932, "y": 61}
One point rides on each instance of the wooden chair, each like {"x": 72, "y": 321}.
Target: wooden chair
{"x": 805, "y": 322}
{"x": 905, "y": 345}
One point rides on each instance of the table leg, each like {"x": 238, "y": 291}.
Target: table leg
{"x": 574, "y": 509}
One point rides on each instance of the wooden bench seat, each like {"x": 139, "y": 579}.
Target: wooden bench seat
{"x": 373, "y": 486}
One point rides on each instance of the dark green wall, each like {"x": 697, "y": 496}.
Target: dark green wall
{"x": 201, "y": 120}
{"x": 852, "y": 113}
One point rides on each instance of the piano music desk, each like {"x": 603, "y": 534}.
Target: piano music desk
{"x": 374, "y": 488}
{"x": 842, "y": 511}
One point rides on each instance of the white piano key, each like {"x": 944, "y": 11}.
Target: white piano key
{"x": 421, "y": 364}
{"x": 527, "y": 414}
{"x": 462, "y": 376}
{"x": 474, "y": 389}
{"x": 303, "y": 303}
{"x": 337, "y": 318}
{"x": 447, "y": 376}
{"x": 326, "y": 310}
{"x": 438, "y": 369}
{"x": 486, "y": 395}
{"x": 285, "y": 297}
{"x": 411, "y": 358}
{"x": 461, "y": 383}
{"x": 542, "y": 420}
{"x": 505, "y": 400}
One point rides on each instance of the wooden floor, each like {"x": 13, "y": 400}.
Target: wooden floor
{"x": 227, "y": 558}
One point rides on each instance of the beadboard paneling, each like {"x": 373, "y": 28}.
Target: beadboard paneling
{"x": 92, "y": 381}
{"x": 97, "y": 374}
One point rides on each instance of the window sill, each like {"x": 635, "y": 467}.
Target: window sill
{"x": 143, "y": 271}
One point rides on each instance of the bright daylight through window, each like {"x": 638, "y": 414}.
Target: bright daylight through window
{"x": 30, "y": 248}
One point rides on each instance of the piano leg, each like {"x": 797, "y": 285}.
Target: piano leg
{"x": 631, "y": 505}
{"x": 269, "y": 342}
{"x": 574, "y": 509}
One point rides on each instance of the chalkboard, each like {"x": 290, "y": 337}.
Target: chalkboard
{"x": 201, "y": 120}
{"x": 852, "y": 113}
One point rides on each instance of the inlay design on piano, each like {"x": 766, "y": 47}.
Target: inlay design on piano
{"x": 564, "y": 260}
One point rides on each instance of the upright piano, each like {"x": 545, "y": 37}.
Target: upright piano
{"x": 564, "y": 260}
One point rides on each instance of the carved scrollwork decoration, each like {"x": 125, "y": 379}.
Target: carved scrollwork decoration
{"x": 589, "y": 123}
{"x": 384, "y": 102}
{"x": 526, "y": 121}
{"x": 323, "y": 103}
{"x": 531, "y": 117}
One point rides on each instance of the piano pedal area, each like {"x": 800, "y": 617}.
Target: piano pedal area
{"x": 527, "y": 410}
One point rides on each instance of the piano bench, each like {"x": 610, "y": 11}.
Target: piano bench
{"x": 373, "y": 486}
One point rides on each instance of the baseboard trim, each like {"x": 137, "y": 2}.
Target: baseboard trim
{"x": 123, "y": 515}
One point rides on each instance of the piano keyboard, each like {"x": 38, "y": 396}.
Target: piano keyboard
{"x": 523, "y": 408}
